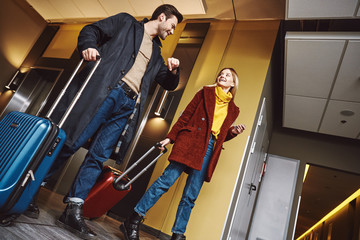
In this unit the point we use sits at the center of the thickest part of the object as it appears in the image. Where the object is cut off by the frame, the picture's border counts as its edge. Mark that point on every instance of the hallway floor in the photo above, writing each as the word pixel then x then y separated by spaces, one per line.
pixel 44 228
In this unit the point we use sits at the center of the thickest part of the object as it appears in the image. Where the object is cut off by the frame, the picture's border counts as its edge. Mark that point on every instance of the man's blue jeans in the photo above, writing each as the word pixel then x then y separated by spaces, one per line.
pixel 191 191
pixel 109 121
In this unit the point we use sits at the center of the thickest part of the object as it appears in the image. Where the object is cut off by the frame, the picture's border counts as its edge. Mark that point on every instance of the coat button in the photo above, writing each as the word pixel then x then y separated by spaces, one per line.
pixel 109 88
pixel 199 129
pixel 133 55
pixel 203 119
pixel 122 72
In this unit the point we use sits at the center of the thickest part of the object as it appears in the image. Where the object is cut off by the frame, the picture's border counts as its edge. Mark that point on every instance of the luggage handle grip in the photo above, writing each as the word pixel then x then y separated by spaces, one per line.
pixel 121 186
pixel 77 96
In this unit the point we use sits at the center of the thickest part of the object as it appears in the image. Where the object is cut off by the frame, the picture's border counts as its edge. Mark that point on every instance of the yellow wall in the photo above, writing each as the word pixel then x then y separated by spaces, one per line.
pixel 247 47
pixel 64 42
pixel 169 44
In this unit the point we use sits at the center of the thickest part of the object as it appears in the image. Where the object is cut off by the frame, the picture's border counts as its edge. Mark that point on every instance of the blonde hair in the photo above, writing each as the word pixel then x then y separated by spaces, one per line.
pixel 235 78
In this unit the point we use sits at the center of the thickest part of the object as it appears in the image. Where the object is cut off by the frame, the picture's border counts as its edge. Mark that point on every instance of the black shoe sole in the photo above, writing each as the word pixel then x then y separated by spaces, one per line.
pixel 33 215
pixel 6 221
pixel 74 231
pixel 123 230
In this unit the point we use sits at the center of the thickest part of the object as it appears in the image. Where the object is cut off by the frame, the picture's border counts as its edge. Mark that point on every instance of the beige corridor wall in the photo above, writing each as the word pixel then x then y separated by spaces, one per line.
pixel 247 47
pixel 20 27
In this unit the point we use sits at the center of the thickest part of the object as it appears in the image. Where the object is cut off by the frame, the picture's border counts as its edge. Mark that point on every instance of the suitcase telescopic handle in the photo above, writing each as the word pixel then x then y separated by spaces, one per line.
pixel 118 185
pixel 78 94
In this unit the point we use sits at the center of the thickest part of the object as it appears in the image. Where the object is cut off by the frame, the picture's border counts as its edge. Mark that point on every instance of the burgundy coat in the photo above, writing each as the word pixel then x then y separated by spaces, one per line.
pixel 191 133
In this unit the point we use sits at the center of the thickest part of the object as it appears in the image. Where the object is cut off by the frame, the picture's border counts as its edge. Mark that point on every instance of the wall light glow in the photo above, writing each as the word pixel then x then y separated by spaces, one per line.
pixel 333 212
pixel 306 171
pixel 5 98
pixel 156 128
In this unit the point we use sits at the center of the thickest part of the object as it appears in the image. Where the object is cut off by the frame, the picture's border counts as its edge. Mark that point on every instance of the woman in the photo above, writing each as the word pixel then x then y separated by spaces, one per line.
pixel 198 136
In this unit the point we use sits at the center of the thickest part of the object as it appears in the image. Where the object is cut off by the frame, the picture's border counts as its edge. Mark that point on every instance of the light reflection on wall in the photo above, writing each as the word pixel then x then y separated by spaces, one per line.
pixel 306 171
pixel 156 128
pixel 13 56
pixel 333 212
pixel 5 98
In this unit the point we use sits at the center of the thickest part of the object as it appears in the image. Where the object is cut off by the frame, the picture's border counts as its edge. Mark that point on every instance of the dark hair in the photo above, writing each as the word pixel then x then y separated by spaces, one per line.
pixel 168 10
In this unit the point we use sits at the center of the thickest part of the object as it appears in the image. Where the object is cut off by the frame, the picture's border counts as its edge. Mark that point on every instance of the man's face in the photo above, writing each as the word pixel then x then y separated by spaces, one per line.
pixel 166 26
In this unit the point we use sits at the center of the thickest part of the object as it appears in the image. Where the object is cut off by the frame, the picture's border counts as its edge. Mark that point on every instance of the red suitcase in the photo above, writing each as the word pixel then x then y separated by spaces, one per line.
pixel 103 195
pixel 112 186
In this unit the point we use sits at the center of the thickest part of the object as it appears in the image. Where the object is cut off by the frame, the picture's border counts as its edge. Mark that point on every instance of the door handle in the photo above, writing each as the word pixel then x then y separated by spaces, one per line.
pixel 252 188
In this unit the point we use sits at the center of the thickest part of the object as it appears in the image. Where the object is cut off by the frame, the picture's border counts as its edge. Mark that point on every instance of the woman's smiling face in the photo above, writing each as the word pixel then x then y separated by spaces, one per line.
pixel 225 80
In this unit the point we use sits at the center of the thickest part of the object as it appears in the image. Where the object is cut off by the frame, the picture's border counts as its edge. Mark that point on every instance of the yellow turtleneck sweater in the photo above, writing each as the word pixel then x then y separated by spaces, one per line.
pixel 221 108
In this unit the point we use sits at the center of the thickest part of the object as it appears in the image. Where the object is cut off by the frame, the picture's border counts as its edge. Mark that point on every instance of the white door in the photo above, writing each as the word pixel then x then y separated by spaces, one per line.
pixel 275 199
pixel 243 202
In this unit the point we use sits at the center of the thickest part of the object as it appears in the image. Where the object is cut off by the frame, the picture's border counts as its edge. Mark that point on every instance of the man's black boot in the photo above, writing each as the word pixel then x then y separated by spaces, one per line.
pixel 33 210
pixel 72 219
pixel 130 228
pixel 176 236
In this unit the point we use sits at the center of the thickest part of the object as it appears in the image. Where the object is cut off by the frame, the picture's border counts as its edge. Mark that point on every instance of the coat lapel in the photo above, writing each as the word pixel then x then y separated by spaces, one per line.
pixel 209 100
pixel 233 112
pixel 139 34
pixel 155 54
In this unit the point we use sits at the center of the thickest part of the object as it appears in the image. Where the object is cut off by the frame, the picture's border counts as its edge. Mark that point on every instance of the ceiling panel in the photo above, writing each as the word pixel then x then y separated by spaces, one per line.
pixel 335 123
pixel 67 8
pixel 326 66
pixel 71 11
pixel 197 7
pixel 145 8
pixel 45 9
pixel 347 85
pixel 302 9
pixel 311 66
pixel 191 9
pixel 303 113
pixel 90 8
pixel 113 7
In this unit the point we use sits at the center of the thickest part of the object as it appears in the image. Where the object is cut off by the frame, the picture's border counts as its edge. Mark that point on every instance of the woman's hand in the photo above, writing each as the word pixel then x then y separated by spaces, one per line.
pixel 238 129
pixel 163 143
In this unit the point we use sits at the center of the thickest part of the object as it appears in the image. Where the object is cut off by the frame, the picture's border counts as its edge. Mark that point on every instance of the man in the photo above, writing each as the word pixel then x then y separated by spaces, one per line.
pixel 131 60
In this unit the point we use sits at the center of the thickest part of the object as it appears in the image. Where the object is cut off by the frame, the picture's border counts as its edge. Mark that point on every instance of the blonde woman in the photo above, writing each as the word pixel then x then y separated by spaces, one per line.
pixel 198 136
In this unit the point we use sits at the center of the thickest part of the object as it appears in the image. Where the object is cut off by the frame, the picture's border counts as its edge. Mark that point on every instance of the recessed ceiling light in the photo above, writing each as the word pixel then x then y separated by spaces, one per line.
pixel 347 113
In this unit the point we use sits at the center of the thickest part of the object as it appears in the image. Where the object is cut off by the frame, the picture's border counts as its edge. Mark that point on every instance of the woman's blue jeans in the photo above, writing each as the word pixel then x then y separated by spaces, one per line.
pixel 191 191
pixel 108 124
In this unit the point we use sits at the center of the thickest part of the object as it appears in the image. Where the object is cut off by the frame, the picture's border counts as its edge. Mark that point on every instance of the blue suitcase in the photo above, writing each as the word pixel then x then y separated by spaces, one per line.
pixel 28 147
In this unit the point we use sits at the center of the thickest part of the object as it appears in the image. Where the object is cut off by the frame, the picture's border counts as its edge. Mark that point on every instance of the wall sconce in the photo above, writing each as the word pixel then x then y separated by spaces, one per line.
pixel 164 104
pixel 15 81
pixel 159 108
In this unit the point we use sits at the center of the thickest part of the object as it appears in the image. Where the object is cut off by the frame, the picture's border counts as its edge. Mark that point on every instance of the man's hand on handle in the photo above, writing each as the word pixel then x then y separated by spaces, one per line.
pixel 90 54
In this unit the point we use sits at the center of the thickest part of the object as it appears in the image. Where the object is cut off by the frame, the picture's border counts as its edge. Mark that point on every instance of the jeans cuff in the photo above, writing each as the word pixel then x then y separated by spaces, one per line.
pixel 75 200
pixel 138 212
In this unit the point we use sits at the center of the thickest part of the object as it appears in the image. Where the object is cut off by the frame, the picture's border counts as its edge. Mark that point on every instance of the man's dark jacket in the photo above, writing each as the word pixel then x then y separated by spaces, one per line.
pixel 118 39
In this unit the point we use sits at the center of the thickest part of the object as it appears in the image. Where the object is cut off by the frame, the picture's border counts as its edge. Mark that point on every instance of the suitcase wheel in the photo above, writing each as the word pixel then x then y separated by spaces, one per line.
pixel 8 220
